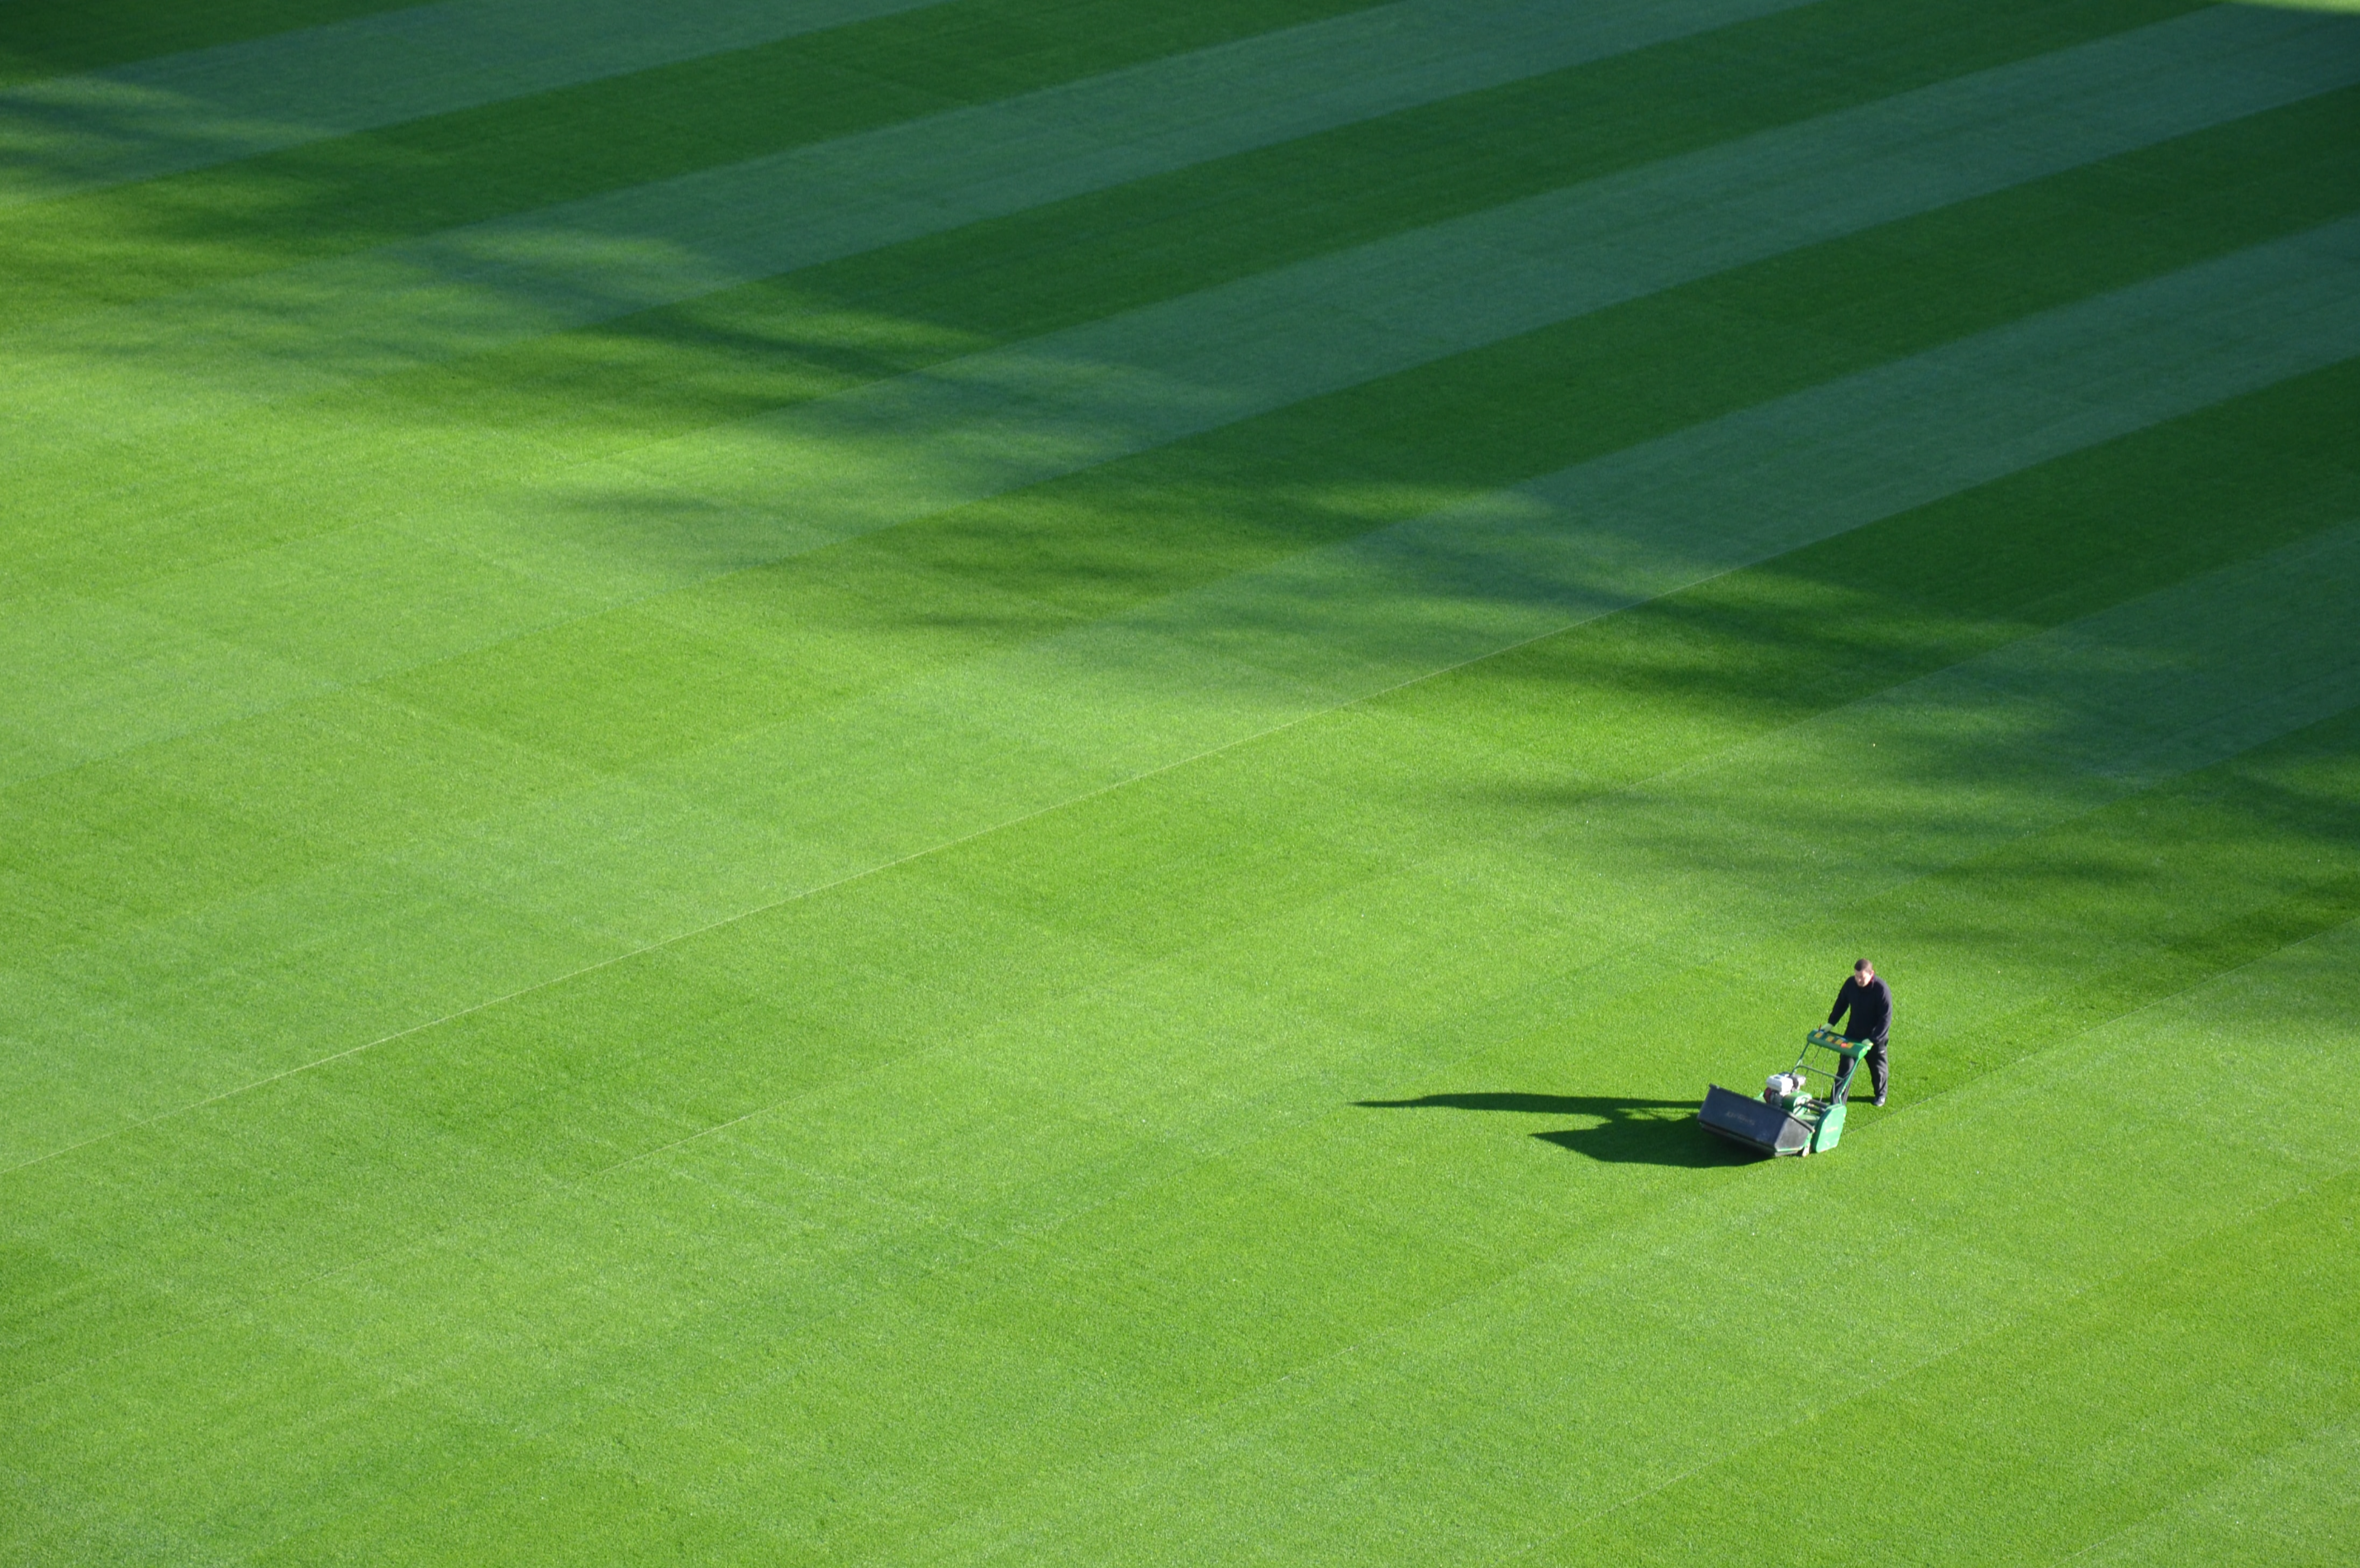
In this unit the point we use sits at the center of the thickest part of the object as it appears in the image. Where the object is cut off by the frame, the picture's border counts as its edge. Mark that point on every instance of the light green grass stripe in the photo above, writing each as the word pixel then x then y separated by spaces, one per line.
pixel 884 454
pixel 211 106
pixel 119 372
pixel 2298 1507
pixel 2020 1221
pixel 703 838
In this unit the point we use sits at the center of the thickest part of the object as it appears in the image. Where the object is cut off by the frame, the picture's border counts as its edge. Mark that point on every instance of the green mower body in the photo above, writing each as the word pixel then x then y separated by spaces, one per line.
pixel 1787 1118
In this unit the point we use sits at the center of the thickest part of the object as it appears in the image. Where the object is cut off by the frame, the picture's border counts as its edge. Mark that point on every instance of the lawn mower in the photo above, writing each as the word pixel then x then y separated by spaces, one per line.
pixel 1789 1119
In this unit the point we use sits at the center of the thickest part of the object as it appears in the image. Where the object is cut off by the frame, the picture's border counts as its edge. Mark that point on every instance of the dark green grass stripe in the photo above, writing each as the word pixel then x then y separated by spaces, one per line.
pixel 2321 898
pixel 737 353
pixel 1640 1377
pixel 39 39
pixel 363 317
pixel 1078 260
pixel 1098 544
pixel 1376 454
pixel 1695 672
pixel 336 197
pixel 201 110
pixel 584 393
pixel 180 360
pixel 1033 274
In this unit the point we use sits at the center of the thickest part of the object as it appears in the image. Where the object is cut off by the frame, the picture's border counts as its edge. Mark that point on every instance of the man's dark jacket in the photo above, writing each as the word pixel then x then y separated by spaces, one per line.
pixel 1871 1007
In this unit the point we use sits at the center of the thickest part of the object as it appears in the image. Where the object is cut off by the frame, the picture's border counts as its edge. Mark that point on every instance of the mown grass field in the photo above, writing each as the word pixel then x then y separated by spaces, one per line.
pixel 864 782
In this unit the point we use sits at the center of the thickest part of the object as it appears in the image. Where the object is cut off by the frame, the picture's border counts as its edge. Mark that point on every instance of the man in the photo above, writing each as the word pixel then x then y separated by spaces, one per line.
pixel 1870 1002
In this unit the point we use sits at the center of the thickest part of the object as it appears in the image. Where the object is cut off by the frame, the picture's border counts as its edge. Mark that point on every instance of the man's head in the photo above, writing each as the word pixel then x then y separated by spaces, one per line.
pixel 1863 972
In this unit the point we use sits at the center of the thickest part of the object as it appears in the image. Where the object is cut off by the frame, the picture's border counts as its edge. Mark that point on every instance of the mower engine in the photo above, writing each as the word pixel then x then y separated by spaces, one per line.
pixel 1788 1120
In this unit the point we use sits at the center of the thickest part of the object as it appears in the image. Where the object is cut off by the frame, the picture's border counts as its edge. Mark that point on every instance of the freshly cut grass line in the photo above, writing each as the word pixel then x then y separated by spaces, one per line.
pixel 884 454
pixel 100 34
pixel 66 133
pixel 592 968
pixel 2304 1497
pixel 311 327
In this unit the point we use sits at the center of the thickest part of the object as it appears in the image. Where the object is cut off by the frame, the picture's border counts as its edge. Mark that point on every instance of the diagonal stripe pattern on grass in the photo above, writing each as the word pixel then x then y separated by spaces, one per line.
pixel 1217 921
pixel 874 458
pixel 1208 669
pixel 2059 672
pixel 467 291
pixel 183 112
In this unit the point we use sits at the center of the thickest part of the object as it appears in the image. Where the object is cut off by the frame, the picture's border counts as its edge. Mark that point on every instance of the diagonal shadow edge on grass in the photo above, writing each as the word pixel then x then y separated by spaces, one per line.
pixel 2266 1491
pixel 2323 1180
pixel 2027 686
pixel 1636 524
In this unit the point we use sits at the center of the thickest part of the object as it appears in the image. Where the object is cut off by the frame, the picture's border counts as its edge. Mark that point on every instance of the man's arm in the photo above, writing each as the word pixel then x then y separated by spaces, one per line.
pixel 1843 1000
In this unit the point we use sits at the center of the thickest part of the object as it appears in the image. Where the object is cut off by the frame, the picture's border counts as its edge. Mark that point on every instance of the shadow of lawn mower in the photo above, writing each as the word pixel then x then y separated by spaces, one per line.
pixel 1789 1119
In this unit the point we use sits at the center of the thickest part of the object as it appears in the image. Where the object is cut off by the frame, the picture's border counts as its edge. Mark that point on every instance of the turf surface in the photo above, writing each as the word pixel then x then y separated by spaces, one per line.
pixel 882 782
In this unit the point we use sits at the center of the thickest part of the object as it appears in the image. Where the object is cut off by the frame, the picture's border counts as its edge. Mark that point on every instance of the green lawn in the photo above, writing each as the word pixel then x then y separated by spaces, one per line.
pixel 860 781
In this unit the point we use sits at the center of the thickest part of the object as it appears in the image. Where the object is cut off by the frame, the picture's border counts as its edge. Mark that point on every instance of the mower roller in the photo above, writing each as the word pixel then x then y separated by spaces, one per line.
pixel 1789 1119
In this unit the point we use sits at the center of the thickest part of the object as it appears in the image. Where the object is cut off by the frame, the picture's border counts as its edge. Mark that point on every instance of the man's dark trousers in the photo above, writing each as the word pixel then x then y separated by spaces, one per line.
pixel 1876 1069
pixel 1871 1007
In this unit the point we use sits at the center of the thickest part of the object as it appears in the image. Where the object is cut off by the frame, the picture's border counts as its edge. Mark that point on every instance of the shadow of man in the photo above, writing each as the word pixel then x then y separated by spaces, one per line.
pixel 1622 1130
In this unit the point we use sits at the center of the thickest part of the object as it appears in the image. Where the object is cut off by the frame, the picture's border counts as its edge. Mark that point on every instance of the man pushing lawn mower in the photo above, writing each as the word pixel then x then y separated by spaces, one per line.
pixel 1870 1002
pixel 1796 1113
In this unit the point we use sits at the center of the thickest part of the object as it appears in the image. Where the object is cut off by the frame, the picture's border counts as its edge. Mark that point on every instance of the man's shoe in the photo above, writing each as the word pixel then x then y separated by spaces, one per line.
pixel 1878 1101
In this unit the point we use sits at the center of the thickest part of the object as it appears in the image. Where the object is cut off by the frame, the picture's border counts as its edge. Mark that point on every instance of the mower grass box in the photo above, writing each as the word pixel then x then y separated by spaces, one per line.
pixel 1787 1118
